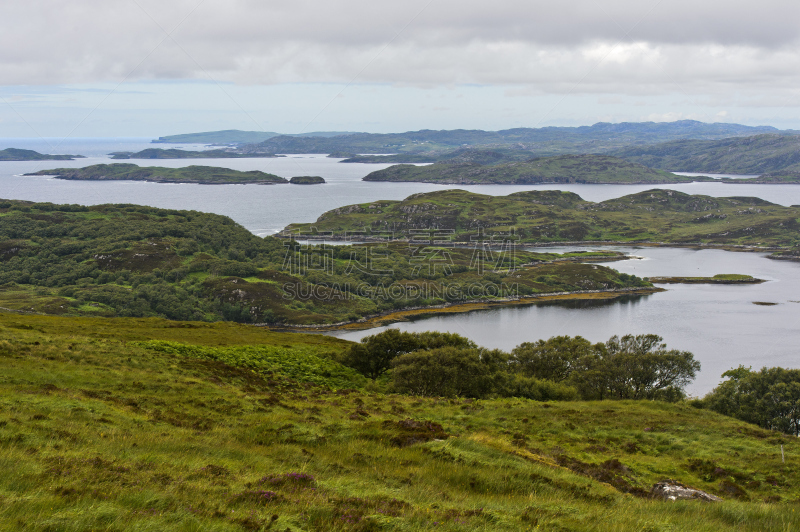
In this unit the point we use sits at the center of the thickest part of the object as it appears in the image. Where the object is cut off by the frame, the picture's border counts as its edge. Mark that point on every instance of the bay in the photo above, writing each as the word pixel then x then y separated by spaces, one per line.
pixel 720 324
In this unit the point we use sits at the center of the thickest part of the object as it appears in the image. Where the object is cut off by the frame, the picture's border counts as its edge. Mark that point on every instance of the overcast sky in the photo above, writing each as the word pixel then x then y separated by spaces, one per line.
pixel 143 68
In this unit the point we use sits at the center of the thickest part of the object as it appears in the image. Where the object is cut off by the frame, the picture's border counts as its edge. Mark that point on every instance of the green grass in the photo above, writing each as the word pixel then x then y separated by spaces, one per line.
pixel 97 432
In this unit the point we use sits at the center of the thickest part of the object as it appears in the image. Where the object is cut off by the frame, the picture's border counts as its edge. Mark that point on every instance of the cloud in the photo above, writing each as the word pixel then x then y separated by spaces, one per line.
pixel 575 46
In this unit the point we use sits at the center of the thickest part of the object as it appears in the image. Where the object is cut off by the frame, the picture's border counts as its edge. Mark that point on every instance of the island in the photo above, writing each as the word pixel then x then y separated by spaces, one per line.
pixel 561 169
pixel 204 175
pixel 722 278
pixel 15 154
pixel 655 216
pixel 158 153
pixel 307 180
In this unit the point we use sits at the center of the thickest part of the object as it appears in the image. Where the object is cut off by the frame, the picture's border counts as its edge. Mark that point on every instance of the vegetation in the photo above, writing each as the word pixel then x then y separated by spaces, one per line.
pixel 555 216
pixel 759 154
pixel 228 136
pixel 769 398
pixel 100 428
pixel 436 364
pixel 15 154
pixel 235 136
pixel 722 278
pixel 158 153
pixel 306 180
pixel 597 169
pixel 486 156
pixel 127 260
pixel 599 138
pixel 206 175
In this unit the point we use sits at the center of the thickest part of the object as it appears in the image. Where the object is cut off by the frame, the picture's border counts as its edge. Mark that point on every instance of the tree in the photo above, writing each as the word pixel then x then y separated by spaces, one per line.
pixel 769 398
pixel 374 355
pixel 635 367
pixel 450 372
pixel 553 359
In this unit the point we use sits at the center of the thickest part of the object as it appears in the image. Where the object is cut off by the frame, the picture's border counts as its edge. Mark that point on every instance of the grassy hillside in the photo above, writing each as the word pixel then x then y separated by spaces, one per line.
pixel 555 216
pixel 744 155
pixel 14 154
pixel 207 175
pixel 158 153
pixel 128 260
pixel 102 429
pixel 598 169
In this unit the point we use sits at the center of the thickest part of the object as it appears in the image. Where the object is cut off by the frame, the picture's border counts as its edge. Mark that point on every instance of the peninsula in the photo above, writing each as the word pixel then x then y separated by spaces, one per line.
pixel 130 260
pixel 204 175
pixel 15 154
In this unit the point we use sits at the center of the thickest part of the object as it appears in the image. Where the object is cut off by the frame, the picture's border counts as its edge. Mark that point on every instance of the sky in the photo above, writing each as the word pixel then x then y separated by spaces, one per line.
pixel 148 68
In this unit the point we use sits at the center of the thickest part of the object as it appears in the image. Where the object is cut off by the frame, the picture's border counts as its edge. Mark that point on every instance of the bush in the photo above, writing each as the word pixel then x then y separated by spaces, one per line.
pixel 450 372
pixel 373 356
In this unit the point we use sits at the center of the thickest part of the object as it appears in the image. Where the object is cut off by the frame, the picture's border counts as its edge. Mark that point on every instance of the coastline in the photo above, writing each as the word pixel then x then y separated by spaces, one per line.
pixel 409 314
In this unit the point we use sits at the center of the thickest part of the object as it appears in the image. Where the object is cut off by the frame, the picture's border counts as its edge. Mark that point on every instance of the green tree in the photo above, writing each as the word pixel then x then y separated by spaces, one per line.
pixel 450 372
pixel 635 367
pixel 553 359
pixel 769 398
pixel 373 356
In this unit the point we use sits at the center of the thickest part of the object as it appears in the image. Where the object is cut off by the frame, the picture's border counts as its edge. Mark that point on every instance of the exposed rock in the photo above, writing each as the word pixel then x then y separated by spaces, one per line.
pixel 671 490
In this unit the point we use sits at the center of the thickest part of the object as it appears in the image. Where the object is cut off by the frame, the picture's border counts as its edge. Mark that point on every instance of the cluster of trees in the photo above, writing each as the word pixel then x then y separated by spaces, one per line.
pixel 769 398
pixel 560 368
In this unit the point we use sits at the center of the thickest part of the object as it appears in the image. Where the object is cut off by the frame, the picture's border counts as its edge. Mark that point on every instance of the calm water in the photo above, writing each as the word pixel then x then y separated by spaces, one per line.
pixel 719 324
pixel 266 209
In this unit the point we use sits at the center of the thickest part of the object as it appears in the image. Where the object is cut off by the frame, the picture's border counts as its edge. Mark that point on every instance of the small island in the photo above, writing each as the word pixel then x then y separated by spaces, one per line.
pixel 722 278
pixel 159 153
pixel 307 180
pixel 203 175
pixel 562 169
pixel 15 154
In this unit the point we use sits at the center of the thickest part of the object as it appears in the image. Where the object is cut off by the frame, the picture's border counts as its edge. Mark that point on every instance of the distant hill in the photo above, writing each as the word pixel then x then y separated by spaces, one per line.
pixel 538 216
pixel 14 154
pixel 598 138
pixel 158 153
pixel 488 156
pixel 598 169
pixel 235 136
pixel 207 175
pixel 757 154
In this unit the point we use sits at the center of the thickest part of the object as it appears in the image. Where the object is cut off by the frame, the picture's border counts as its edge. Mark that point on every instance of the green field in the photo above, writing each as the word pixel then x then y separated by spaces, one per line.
pixel 126 424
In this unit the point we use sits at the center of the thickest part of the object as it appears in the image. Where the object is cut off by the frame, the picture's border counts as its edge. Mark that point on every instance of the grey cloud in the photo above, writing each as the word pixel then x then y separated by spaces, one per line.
pixel 553 45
